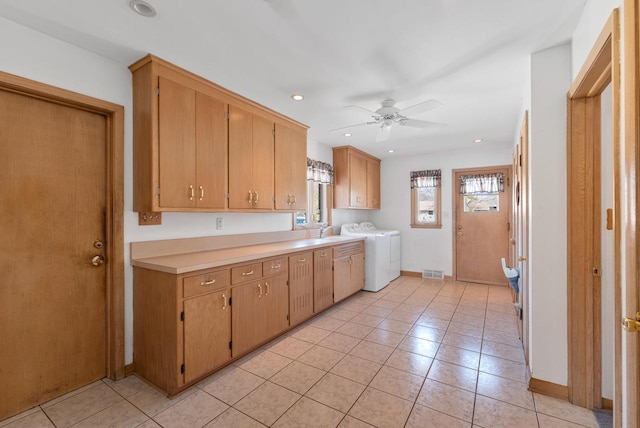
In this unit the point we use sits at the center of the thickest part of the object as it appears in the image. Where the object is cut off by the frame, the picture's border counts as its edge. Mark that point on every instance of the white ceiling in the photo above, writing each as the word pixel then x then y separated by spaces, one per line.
pixel 470 55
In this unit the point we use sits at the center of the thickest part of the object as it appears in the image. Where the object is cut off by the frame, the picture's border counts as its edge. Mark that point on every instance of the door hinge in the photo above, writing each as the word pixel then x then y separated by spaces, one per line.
pixel 520 313
pixel 508 181
pixel 273 132
pixel 596 272
pixel 230 344
pixel 227 195
pixel 508 226
pixel 157 91
pixel 182 316
pixel 182 369
pixel 230 301
pixel 287 317
pixel 226 115
pixel 158 191
pixel 273 199
pixel 287 282
pixel 631 325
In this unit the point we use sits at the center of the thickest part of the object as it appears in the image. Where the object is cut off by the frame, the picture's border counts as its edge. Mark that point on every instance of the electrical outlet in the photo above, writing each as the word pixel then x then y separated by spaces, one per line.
pixel 149 219
pixel 219 223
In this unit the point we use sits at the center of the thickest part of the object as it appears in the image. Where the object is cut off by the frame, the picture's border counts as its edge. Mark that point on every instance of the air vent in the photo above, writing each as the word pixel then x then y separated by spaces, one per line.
pixel 435 274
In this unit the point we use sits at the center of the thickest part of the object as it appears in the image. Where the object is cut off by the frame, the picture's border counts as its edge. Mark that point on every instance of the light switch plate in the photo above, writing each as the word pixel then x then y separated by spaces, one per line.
pixel 149 219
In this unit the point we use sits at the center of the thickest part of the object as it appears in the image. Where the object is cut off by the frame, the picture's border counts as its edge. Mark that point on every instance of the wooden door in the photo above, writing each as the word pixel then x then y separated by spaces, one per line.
pixel 482 233
pixel 207 332
pixel 358 181
pixel 211 152
pixel 248 326
pixel 357 272
pixel 276 306
pixel 52 206
pixel 522 230
pixel 177 151
pixel 263 159
pixel 300 287
pixel 322 280
pixel 240 158
pixel 373 184
pixel 290 169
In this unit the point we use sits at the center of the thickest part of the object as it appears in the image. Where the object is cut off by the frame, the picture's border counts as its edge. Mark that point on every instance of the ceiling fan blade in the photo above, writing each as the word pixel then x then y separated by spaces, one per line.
pixel 350 126
pixel 420 108
pixel 415 123
pixel 383 134
pixel 361 110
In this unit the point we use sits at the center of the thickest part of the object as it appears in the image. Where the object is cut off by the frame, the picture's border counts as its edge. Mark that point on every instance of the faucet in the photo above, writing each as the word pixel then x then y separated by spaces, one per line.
pixel 323 230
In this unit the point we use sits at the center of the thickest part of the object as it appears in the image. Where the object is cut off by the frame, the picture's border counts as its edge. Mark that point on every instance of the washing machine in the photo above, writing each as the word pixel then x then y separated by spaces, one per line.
pixel 394 251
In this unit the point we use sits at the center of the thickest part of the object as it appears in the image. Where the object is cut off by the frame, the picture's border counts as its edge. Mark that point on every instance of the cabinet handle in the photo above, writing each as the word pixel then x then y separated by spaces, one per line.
pixel 260 288
pixel 201 193
pixel 250 197
pixel 302 260
pixel 255 201
pixel 350 260
pixel 275 266
pixel 288 199
pixel 224 301
pixel 294 200
pixel 247 273
pixel 191 192
pixel 323 254
pixel 208 282
pixel 268 288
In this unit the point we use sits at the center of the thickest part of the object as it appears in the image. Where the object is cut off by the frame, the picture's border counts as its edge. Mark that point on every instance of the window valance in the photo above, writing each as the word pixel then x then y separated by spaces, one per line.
pixel 425 178
pixel 480 184
pixel 319 172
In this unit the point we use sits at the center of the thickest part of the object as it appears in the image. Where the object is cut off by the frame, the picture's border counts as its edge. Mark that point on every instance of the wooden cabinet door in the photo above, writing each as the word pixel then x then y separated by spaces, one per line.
pixel 248 316
pixel 358 177
pixel 211 152
pixel 207 332
pixel 373 184
pixel 263 158
pixel 322 280
pixel 275 306
pixel 177 145
pixel 357 272
pixel 290 169
pixel 300 287
pixel 240 158
pixel 341 278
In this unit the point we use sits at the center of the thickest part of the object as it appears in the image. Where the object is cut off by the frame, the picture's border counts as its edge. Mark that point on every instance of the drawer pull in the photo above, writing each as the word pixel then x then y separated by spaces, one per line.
pixel 323 254
pixel 260 288
pixel 275 266
pixel 201 193
pixel 208 282
pixel 247 273
pixel 191 193
pixel 224 301
pixel 302 260
pixel 268 288
pixel 250 197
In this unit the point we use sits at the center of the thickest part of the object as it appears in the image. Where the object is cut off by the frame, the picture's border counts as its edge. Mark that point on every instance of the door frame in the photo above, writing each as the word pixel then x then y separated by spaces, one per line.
pixel 521 228
pixel 601 68
pixel 455 190
pixel 114 249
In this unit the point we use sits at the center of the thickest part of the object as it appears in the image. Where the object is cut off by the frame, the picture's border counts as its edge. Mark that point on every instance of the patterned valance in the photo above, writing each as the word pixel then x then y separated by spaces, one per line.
pixel 425 178
pixel 319 172
pixel 479 184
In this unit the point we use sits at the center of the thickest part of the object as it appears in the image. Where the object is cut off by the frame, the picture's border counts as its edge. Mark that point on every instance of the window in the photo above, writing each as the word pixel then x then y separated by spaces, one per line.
pixel 481 192
pixel 319 195
pixel 425 199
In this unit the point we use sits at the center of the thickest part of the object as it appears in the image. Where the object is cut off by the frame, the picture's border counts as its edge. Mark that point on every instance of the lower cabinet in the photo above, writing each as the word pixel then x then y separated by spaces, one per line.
pixel 348 270
pixel 322 280
pixel 301 287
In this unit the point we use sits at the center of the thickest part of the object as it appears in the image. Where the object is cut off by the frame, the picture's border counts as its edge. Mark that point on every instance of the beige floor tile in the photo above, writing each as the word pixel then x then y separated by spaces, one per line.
pixel 298 377
pixel 474 330
pixel 440 306
pixel 377 311
pixel 440 298
pixel 353 306
pixel 395 326
pixel 309 413
pixel 410 309
pixel 478 313
pixel 30 419
pixel 122 414
pixel 341 314
pixel 472 302
pixel 491 413
pixel 500 350
pixel 462 341
pixel 266 364
pixel 564 410
pixel 546 421
pixel 267 403
pixel 196 410
pixel 459 356
pixel 71 394
pixel 321 357
pixel 447 399
pixel 508 338
pixel 382 303
pixel 465 318
pixel 83 405
pixel 433 322
pixel 353 329
pixel 340 342
pixel 507 308
pixel 506 318
pixel 336 392
pixel 149 424
pixel 368 320
pixel 151 401
pixel 233 418
pixel 508 327
pixel 505 390
pixel 291 347
pixel 427 333
pixel 503 368
pixel 311 334
pixel 394 298
pixel 454 375
pixel 372 351
pixel 419 346
pixel 351 422
pixel 384 337
pixel 127 386
pixel 422 417
pixel 381 409
pixel 328 323
pixel 397 382
pixel 403 316
pixel 409 362
pixel 233 386
pixel 357 369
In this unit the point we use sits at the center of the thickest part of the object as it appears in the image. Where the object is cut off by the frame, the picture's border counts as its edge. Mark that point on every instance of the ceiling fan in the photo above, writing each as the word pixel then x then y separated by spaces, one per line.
pixel 389 114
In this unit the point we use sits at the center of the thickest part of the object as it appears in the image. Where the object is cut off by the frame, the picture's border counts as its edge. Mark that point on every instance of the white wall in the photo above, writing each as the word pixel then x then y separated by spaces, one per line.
pixel 427 248
pixel 550 80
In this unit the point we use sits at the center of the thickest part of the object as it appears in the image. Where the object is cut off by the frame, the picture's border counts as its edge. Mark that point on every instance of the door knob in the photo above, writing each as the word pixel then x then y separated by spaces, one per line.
pixel 97 260
pixel 522 259
pixel 459 227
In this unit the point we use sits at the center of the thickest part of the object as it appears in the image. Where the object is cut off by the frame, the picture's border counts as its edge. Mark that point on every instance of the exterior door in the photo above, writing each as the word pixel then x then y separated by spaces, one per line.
pixel 482 230
pixel 522 230
pixel 52 206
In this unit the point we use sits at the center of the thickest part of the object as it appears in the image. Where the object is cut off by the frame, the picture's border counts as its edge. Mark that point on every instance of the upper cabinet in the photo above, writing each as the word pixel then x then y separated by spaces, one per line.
pixel 357 179
pixel 200 147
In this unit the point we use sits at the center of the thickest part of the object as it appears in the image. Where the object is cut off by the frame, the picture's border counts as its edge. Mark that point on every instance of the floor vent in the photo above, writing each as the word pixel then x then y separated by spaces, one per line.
pixel 436 274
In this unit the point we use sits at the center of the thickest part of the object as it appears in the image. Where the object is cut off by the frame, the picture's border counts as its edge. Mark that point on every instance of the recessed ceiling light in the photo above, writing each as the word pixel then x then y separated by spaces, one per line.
pixel 297 97
pixel 390 150
pixel 478 140
pixel 143 8
pixel 348 134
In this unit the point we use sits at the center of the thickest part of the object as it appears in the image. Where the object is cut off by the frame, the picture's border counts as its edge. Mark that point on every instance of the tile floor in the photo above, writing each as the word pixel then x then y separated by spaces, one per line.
pixel 420 353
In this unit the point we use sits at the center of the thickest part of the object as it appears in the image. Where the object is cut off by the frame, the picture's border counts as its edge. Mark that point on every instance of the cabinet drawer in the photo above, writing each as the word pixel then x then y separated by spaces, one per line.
pixel 274 267
pixel 204 283
pixel 346 250
pixel 246 273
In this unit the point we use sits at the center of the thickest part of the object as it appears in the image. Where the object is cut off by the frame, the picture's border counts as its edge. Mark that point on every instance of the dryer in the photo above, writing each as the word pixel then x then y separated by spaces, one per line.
pixel 394 252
